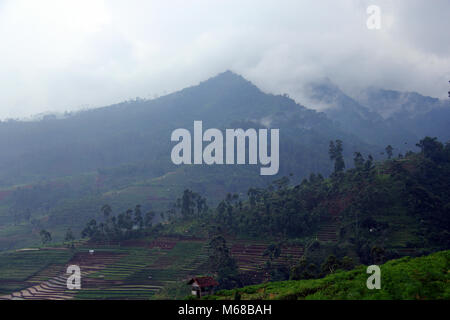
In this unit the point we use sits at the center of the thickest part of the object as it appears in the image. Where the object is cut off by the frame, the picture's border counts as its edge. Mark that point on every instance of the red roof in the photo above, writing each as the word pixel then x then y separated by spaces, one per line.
pixel 204 281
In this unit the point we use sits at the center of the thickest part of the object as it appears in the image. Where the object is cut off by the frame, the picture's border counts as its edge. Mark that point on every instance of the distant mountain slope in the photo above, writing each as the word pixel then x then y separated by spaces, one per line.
pixel 139 131
pixel 419 114
pixel 388 103
pixel 384 117
pixel 58 172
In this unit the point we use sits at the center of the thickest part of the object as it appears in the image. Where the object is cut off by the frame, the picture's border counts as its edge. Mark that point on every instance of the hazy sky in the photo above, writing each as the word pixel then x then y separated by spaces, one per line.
pixel 62 55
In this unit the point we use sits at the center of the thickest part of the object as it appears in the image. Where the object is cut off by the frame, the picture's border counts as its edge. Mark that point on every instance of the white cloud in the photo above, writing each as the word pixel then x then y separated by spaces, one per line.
pixel 57 55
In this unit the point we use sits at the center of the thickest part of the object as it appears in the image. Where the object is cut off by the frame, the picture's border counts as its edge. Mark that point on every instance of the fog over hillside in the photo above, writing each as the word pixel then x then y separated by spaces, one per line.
pixel 64 56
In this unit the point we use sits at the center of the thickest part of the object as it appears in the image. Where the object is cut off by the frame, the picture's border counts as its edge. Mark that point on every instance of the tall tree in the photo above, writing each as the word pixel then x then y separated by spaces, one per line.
pixel 389 150
pixel 69 237
pixel 106 210
pixel 335 153
pixel 431 148
pixel 358 160
pixel 187 204
pixel 138 219
pixel 148 219
pixel 221 262
pixel 45 236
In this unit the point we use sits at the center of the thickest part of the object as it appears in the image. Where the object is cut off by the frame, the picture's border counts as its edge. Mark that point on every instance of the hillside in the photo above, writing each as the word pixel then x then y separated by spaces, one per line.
pixel 397 204
pixel 60 171
pixel 371 214
pixel 138 132
pixel 379 115
pixel 423 278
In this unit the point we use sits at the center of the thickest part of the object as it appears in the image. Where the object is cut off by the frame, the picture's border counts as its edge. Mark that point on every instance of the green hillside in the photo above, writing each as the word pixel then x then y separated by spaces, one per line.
pixel 401 279
pixel 370 214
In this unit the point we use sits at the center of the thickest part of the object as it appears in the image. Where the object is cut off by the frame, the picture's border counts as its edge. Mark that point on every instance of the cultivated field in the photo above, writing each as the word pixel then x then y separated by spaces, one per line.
pixel 134 270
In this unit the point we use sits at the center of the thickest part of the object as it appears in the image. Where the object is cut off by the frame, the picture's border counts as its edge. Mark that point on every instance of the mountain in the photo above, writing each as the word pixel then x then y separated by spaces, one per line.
pixel 383 117
pixel 139 131
pixel 355 118
pixel 389 103
pixel 421 115
pixel 58 172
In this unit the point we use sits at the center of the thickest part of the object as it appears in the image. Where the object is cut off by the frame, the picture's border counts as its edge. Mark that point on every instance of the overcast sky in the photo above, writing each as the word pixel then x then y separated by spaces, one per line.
pixel 63 55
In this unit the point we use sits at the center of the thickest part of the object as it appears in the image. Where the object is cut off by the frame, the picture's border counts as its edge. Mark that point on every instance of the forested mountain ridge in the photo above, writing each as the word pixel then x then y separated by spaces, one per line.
pixel 379 115
pixel 56 173
pixel 138 132
pixel 396 204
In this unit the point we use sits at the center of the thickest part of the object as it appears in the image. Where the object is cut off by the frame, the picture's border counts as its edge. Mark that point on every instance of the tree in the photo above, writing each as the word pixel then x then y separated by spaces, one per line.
pixel 187 204
pixel 148 219
pixel 106 209
pixel 273 251
pixel 358 160
pixel 254 195
pixel 347 263
pixel 129 219
pixel 330 265
pixel 91 230
pixel 45 236
pixel 389 150
pixel 303 270
pixel 221 262
pixel 378 255
pixel 125 220
pixel 369 162
pixel 335 152
pixel 431 148
pixel 138 220
pixel 69 237
pixel 200 202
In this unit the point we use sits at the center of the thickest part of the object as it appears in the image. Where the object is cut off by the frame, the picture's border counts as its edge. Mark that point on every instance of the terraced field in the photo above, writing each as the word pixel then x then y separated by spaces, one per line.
pixel 26 268
pixel 328 232
pixel 250 257
pixel 135 270
pixel 143 271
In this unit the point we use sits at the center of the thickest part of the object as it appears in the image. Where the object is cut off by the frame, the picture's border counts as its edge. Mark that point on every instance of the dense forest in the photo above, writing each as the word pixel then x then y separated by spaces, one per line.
pixel 379 210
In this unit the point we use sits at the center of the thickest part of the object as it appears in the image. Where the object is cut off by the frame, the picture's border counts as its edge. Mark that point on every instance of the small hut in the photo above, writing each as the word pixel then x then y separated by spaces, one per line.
pixel 202 286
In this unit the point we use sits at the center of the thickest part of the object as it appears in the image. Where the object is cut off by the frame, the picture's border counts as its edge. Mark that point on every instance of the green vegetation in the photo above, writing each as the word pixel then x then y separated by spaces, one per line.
pixel 369 214
pixel 19 269
pixel 306 232
pixel 402 279
pixel 120 155
pixel 141 272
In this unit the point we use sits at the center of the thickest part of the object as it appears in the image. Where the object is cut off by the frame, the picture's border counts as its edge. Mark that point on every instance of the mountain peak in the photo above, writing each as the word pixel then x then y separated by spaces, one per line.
pixel 228 76
pixel 225 81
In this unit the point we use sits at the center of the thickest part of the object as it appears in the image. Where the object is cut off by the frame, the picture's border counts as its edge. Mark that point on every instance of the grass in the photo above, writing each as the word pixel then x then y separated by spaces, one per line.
pixel 143 272
pixel 17 267
pixel 134 261
pixel 402 279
